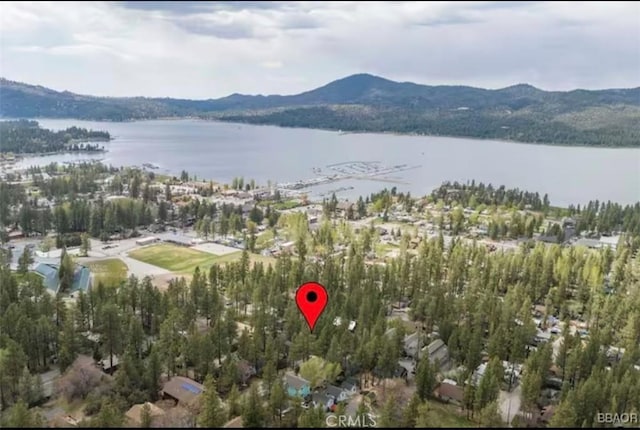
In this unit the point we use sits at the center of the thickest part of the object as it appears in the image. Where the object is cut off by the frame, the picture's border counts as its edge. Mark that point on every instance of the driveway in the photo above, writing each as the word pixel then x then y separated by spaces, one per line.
pixel 509 403
pixel 352 406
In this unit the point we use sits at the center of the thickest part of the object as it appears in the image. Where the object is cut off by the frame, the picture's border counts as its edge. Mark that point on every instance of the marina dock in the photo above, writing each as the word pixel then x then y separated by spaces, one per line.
pixel 361 170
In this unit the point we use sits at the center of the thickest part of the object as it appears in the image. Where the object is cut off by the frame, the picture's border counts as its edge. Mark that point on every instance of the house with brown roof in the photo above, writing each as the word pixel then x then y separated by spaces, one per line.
pixel 183 391
pixel 134 414
pixel 448 391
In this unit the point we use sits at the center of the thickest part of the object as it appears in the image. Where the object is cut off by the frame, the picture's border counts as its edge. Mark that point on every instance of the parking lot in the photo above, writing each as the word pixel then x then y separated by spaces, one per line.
pixel 215 248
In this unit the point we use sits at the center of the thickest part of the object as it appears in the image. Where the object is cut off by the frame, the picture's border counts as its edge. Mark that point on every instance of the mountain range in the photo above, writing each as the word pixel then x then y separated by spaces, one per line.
pixel 367 103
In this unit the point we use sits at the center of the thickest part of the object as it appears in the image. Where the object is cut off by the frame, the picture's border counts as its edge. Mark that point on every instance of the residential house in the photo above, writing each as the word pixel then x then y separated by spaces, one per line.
pixel 343 207
pixel 288 246
pixel 338 394
pixel 478 374
pixel 246 371
pixel 15 234
pixel 350 386
pixel 400 372
pixel 610 241
pixel 322 400
pixel 182 390
pixel 438 354
pixel 450 392
pixel 134 414
pixel 589 243
pixel 296 386
pixel 109 364
pixel 411 345
pixel 51 279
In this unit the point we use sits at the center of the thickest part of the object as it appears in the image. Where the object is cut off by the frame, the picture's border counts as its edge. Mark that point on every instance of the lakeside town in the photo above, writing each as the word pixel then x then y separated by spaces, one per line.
pixel 120 227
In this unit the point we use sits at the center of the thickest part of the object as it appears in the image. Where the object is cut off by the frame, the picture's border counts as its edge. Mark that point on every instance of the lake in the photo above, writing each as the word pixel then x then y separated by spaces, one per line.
pixel 222 151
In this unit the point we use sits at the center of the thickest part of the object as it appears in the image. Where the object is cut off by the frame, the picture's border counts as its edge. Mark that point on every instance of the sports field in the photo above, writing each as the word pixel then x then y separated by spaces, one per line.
pixel 178 259
pixel 183 260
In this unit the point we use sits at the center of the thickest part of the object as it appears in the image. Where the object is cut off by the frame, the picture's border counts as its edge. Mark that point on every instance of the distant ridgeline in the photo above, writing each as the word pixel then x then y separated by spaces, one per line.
pixel 22 137
pixel 366 103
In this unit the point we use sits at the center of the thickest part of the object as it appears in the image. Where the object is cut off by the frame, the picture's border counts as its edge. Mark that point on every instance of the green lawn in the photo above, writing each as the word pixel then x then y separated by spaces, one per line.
pixel 183 260
pixel 265 239
pixel 383 248
pixel 178 259
pixel 289 204
pixel 110 272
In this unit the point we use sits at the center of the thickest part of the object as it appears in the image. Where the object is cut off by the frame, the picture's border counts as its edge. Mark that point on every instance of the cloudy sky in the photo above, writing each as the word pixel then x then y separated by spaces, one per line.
pixel 212 49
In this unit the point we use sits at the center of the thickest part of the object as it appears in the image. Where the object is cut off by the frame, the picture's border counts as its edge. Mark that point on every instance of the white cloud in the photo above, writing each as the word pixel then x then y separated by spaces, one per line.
pixel 211 49
pixel 272 64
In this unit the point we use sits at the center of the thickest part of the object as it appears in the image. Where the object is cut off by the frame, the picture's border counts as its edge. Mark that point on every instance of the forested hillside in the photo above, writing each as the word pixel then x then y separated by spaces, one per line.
pixel 24 136
pixel 366 103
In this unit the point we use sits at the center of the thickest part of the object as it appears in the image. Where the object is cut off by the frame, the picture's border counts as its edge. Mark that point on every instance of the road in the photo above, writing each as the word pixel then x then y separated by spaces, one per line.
pixel 509 403
pixel 49 380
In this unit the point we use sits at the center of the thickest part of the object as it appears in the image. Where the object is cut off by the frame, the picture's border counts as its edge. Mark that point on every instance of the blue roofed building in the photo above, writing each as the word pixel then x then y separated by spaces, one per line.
pixel 51 279
pixel 296 386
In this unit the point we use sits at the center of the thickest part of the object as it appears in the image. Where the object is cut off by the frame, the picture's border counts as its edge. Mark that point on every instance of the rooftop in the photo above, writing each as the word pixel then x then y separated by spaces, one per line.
pixel 51 280
pixel 295 382
pixel 134 414
pixel 182 389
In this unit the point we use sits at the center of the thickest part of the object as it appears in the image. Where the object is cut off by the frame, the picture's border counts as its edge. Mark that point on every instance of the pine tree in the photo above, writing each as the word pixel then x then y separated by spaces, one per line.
pixel 312 418
pixel 253 415
pixel 425 379
pixel 490 417
pixel 145 416
pixel 213 413
pixel 19 416
pixel 410 412
pixel 277 401
pixel 25 260
pixel 233 402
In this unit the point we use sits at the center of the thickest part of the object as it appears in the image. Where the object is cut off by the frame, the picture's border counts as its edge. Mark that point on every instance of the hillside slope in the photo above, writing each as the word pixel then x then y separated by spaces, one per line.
pixel 365 102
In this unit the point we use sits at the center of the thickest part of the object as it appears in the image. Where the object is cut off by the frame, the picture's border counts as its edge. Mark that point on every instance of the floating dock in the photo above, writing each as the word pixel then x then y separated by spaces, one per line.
pixel 361 170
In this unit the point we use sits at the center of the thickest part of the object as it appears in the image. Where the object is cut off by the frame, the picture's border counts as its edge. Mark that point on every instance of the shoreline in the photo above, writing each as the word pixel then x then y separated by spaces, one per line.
pixel 399 134
pixel 346 132
pixel 17 158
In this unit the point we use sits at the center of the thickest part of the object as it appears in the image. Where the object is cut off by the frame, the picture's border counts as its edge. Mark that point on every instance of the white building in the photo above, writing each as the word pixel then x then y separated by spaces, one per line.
pixel 610 241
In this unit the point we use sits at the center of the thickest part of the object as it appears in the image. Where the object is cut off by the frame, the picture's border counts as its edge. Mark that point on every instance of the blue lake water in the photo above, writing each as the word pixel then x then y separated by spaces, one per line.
pixel 222 151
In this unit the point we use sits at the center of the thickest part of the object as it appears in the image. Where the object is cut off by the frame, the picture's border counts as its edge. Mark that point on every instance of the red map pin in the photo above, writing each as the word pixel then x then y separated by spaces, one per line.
pixel 311 299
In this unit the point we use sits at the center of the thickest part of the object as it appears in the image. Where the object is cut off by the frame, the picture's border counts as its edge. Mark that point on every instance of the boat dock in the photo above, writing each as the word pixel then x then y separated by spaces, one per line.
pixel 361 170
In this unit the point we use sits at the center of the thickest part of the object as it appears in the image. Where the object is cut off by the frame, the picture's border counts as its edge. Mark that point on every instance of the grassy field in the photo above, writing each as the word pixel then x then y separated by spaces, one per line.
pixel 184 260
pixel 175 258
pixel 383 248
pixel 443 415
pixel 264 239
pixel 109 272
pixel 289 204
